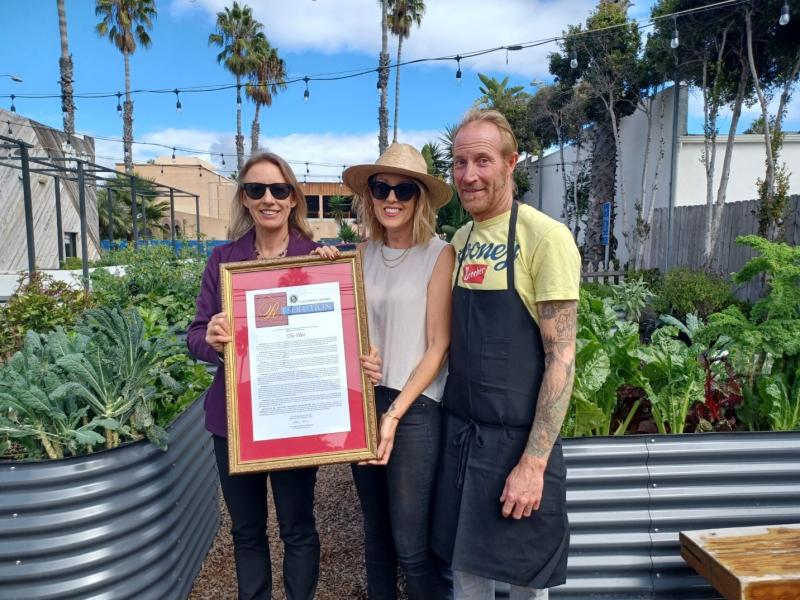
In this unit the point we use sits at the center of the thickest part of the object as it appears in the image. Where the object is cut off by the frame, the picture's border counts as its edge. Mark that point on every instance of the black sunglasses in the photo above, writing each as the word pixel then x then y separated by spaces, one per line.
pixel 402 191
pixel 256 191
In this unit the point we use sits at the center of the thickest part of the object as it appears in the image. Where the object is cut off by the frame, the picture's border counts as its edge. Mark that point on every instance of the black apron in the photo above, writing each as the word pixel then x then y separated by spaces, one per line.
pixel 496 368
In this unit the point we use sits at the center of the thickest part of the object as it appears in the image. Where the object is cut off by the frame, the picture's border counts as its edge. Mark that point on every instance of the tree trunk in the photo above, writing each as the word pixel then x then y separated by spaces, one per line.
pixel 767 193
pixel 397 87
pixel 66 69
pixel 719 205
pixel 127 119
pixel 565 198
pixel 255 131
pixel 626 231
pixel 649 204
pixel 603 184
pixel 383 82
pixel 239 136
pixel 577 170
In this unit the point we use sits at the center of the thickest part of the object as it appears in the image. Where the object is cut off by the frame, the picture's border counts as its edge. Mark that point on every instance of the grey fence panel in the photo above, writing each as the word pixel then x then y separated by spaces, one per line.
pixel 628 498
pixel 134 522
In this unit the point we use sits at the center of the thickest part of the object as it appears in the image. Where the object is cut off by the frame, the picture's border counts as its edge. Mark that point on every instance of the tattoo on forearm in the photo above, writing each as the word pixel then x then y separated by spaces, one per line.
pixel 392 410
pixel 557 322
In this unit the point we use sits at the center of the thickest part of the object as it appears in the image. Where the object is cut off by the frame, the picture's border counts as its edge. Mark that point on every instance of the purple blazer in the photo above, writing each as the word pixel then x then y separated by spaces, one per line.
pixel 209 303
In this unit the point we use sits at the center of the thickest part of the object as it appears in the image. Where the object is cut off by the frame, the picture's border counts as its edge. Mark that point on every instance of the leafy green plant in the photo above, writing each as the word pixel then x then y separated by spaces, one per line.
pixel 72 263
pixel 347 233
pixel 153 276
pixel 673 378
pixel 606 361
pixel 41 304
pixel 631 297
pixel 686 291
pixel 38 406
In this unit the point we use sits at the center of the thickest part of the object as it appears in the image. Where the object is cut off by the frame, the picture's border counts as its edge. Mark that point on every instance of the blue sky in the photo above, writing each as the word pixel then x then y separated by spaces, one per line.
pixel 339 123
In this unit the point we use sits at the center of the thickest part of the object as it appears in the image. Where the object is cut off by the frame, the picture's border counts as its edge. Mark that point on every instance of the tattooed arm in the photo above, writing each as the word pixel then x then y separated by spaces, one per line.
pixel 523 490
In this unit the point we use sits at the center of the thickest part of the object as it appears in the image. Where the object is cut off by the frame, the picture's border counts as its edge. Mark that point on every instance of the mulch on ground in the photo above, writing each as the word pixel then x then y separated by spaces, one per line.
pixel 340 526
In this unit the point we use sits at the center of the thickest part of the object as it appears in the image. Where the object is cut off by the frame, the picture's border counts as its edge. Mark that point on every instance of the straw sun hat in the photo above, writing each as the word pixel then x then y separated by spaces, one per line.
pixel 401 159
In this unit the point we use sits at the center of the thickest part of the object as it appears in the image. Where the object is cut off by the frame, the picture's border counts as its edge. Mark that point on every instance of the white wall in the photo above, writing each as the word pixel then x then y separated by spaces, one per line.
pixel 633 135
pixel 747 165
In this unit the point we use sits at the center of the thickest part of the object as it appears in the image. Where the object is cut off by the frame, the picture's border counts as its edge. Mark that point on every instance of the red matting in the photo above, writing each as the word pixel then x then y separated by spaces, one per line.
pixel 356 438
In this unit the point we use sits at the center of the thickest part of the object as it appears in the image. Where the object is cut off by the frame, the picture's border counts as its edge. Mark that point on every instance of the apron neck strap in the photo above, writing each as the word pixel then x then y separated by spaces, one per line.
pixel 510 252
pixel 463 253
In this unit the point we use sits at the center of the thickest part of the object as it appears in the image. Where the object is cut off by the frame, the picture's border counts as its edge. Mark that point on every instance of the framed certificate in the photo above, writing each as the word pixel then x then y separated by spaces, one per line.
pixel 296 393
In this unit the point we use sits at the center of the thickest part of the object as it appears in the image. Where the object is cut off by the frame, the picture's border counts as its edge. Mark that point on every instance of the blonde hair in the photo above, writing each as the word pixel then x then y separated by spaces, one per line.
pixel 242 222
pixel 424 224
pixel 496 118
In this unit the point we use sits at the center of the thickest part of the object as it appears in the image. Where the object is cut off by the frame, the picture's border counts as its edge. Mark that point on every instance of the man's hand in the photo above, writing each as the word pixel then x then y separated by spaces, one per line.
pixel 522 493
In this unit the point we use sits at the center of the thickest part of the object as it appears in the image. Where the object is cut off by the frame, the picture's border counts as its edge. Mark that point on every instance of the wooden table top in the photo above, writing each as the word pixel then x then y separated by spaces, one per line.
pixel 747 563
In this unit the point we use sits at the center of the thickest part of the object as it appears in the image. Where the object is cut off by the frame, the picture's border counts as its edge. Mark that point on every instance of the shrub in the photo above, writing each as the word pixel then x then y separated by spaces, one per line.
pixel 41 304
pixel 72 263
pixel 685 291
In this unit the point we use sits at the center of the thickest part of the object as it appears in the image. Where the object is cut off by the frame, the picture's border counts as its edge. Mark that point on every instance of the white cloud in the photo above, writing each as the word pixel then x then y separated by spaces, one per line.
pixel 448 27
pixel 331 149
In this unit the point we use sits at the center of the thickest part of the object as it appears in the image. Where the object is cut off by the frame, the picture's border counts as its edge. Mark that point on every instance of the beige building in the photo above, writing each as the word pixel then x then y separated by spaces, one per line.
pixel 199 178
pixel 215 193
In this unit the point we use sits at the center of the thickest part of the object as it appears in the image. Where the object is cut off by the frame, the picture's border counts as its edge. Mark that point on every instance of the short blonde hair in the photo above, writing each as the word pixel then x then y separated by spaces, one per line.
pixel 242 222
pixel 496 118
pixel 424 227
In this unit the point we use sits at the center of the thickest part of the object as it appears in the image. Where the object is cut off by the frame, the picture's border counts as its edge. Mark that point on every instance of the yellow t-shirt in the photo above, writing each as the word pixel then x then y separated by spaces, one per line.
pixel 547 265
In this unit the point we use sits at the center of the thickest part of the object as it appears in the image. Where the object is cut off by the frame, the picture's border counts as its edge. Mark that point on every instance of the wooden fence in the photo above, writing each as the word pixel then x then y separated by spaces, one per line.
pixel 688 235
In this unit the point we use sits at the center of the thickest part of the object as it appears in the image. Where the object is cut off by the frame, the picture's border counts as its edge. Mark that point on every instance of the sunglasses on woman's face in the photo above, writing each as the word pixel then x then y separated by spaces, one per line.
pixel 402 191
pixel 256 191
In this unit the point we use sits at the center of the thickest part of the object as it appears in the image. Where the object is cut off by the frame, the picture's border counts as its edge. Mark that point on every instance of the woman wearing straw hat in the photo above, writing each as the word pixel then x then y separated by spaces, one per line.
pixel 407 274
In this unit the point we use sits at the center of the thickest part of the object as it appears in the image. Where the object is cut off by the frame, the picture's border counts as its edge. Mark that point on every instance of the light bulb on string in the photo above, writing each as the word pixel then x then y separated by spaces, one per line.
pixel 238 96
pixel 675 41
pixel 784 18
pixel 458 72
pixel 306 168
pixel 177 92
pixel 119 105
pixel 514 48
pixel 306 94
pixel 173 153
pixel 13 108
pixel 9 128
pixel 200 170
pixel 573 63
pixel 222 156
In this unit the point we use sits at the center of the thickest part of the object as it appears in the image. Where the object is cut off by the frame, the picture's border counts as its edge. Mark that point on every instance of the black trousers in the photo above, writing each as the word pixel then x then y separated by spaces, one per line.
pixel 246 499
pixel 397 503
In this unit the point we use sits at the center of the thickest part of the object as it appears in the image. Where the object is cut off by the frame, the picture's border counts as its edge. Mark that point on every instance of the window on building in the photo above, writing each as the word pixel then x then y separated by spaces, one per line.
pixel 332 205
pixel 313 206
pixel 70 244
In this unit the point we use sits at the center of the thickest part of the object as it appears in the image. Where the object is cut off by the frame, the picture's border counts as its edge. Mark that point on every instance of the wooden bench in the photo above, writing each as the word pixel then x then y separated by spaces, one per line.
pixel 747 563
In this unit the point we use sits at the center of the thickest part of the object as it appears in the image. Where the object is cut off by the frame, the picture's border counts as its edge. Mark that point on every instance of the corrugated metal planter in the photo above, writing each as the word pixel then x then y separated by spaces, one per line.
pixel 133 522
pixel 628 497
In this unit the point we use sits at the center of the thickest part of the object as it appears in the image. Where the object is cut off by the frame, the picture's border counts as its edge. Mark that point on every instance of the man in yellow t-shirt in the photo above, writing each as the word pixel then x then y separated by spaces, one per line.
pixel 501 494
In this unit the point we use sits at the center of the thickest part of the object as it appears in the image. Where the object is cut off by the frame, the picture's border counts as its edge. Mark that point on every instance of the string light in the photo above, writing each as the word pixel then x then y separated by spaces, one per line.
pixel 307 168
pixel 9 128
pixel 177 99
pixel 200 170
pixel 306 94
pixel 13 108
pixel 784 18
pixel 674 42
pixel 514 48
pixel 238 96
pixel 458 72
pixel 574 61
pixel 222 156
pixel 119 106
pixel 173 153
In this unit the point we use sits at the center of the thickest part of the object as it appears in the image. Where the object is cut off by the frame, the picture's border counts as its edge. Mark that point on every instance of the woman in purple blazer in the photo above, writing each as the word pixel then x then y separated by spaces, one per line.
pixel 268 220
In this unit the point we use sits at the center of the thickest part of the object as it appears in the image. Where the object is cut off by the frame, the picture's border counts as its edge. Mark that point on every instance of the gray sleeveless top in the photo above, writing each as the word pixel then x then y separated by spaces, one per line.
pixel 396 286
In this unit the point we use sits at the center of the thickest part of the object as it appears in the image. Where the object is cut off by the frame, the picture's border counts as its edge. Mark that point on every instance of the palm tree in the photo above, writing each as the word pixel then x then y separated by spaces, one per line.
pixel 383 80
pixel 126 22
pixel 65 66
pixel 404 13
pixel 155 208
pixel 268 75
pixel 235 34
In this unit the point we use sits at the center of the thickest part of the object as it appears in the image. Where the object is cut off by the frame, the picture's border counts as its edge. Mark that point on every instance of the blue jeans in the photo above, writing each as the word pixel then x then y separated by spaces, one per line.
pixel 397 503
pixel 246 499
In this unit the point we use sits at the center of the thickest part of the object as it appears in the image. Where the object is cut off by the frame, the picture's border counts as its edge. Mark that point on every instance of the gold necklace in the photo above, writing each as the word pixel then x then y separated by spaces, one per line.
pixel 281 254
pixel 391 263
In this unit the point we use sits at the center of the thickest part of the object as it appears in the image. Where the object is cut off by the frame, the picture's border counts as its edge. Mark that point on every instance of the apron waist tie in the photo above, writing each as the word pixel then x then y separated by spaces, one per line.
pixel 462 439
